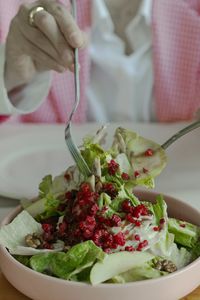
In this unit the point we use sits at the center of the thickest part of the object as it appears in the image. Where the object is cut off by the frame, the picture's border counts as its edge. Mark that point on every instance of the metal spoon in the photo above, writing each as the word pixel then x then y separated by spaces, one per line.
pixel 180 133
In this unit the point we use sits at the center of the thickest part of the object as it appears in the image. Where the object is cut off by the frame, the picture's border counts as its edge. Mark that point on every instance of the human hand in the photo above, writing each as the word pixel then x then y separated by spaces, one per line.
pixel 46 46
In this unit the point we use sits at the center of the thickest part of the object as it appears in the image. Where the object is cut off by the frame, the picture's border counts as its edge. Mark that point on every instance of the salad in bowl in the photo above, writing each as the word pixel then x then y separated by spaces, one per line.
pixel 96 229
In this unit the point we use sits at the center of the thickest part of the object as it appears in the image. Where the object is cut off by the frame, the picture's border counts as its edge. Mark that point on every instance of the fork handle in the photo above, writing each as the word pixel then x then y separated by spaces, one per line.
pixel 180 133
pixel 76 66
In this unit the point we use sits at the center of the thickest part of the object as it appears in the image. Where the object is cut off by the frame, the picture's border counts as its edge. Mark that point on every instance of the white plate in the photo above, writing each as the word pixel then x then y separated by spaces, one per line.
pixel 27 157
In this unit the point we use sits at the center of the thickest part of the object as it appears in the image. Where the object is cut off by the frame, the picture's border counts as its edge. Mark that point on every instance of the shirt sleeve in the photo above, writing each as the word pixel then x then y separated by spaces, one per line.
pixel 26 99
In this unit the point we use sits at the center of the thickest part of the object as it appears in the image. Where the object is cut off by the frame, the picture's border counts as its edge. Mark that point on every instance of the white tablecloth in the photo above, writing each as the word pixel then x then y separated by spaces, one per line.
pixel 181 178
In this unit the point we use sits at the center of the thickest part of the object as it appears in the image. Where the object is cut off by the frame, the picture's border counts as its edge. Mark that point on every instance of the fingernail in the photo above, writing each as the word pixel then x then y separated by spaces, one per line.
pixel 76 39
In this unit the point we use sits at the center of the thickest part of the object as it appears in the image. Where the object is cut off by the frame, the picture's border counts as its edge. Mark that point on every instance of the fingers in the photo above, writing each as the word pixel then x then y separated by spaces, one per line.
pixel 39 39
pixel 50 44
pixel 27 48
pixel 42 60
pixel 67 25
pixel 46 23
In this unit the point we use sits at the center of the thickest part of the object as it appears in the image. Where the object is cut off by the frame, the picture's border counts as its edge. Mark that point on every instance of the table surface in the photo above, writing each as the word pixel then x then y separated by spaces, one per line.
pixel 180 178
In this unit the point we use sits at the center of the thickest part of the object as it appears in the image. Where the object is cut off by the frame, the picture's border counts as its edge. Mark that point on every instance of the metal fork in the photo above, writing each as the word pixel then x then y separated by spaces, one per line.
pixel 81 163
pixel 180 133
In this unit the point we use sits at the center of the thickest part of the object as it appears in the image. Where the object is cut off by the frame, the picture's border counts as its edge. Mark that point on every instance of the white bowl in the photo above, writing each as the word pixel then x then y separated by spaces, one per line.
pixel 43 287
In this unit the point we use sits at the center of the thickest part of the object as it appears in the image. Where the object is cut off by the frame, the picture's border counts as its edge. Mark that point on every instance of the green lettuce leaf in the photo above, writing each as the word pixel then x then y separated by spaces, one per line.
pixel 186 234
pixel 91 151
pixel 160 210
pixel 45 186
pixel 195 251
pixel 23 259
pixel 67 265
pixel 134 159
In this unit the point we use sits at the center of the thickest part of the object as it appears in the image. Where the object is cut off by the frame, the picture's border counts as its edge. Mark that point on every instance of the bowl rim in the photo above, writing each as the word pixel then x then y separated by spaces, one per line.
pixel 24 268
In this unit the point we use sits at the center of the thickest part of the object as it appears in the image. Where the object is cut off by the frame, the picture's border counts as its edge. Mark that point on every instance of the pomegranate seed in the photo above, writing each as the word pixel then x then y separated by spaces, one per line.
pixel 93 209
pixel 112 167
pixel 129 248
pixel 90 220
pixel 104 209
pixel 98 237
pixel 110 189
pixel 67 176
pixel 145 243
pixel 101 236
pixel 142 245
pixel 87 234
pixel 119 239
pixel 101 219
pixel 139 210
pixel 145 170
pixel 182 225
pixel 130 218
pixel 48 236
pixel 108 222
pixel 47 227
pixel 156 228
pixel 85 187
pixel 136 174
pixel 125 176
pixel 137 237
pixel 136 212
pixel 162 221
pixel 82 202
pixel 107 250
pixel 116 220
pixel 108 243
pixel 88 224
pixel 137 223
pixel 62 227
pixel 126 206
pixel 47 246
pixel 148 152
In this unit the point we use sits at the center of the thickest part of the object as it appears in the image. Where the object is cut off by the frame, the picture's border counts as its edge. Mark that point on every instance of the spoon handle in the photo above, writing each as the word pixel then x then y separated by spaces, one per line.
pixel 180 133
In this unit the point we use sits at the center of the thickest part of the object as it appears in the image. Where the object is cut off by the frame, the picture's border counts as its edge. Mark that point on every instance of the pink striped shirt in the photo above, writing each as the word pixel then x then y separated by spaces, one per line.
pixel 176 61
pixel 176 48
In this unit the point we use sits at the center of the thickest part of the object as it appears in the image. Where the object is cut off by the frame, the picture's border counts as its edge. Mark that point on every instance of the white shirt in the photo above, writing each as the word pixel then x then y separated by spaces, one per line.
pixel 114 75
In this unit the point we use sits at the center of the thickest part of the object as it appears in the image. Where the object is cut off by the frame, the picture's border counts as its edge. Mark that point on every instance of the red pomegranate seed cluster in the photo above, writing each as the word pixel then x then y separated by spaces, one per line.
pixel 109 189
pixel 142 245
pixel 83 220
pixel 48 236
pixel 161 224
pixel 135 211
pixel 113 167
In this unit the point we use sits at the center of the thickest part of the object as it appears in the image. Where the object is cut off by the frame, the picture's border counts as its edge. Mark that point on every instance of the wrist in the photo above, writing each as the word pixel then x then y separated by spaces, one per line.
pixel 14 78
pixel 11 79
